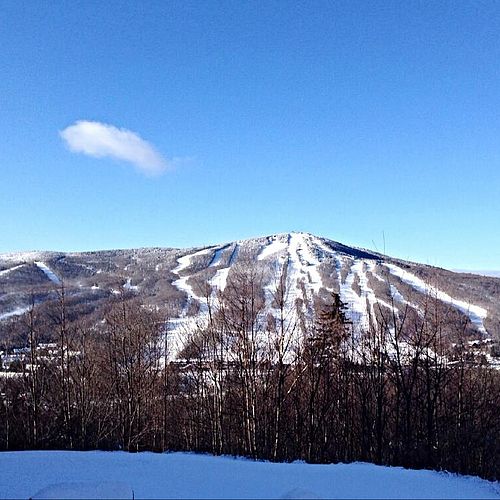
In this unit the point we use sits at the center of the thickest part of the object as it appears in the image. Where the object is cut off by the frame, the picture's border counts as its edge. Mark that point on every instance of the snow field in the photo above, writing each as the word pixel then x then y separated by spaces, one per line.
pixel 42 474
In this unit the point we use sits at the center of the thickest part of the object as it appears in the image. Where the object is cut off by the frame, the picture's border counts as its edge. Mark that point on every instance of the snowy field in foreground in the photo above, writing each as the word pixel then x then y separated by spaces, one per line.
pixel 47 474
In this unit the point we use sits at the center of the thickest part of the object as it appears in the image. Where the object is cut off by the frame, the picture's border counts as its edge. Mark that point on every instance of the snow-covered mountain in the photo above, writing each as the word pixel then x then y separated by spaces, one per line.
pixel 186 280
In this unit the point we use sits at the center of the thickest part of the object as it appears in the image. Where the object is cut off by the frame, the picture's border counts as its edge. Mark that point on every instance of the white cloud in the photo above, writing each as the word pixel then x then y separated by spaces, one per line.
pixel 102 140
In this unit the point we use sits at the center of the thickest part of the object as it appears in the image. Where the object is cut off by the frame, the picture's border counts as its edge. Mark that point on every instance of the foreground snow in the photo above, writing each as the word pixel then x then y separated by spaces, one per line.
pixel 50 474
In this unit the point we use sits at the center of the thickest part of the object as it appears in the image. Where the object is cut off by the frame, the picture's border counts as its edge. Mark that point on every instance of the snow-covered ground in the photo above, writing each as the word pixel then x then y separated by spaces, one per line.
pixel 56 474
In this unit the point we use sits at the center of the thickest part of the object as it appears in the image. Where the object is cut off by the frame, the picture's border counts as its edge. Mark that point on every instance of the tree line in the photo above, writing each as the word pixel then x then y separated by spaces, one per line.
pixel 295 382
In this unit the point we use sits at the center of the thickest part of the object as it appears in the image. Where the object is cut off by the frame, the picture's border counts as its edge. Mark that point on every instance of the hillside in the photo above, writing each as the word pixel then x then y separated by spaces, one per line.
pixel 181 282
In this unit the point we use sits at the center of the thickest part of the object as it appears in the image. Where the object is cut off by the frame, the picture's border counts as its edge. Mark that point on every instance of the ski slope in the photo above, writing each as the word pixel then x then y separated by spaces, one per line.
pixel 48 272
pixel 475 313
pixel 301 255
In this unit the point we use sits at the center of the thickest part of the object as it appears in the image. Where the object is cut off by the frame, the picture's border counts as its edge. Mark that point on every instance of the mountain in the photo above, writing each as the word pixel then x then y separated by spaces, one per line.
pixel 176 280
pixel 488 272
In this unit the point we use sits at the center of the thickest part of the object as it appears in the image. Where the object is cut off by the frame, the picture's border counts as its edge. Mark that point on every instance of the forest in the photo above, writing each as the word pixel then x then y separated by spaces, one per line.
pixel 280 384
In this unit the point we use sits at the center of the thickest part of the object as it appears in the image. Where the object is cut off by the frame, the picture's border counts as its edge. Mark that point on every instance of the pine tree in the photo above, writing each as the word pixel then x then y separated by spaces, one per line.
pixel 331 328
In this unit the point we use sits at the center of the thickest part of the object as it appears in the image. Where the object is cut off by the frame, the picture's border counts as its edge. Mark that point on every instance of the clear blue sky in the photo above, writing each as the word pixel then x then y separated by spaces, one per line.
pixel 351 120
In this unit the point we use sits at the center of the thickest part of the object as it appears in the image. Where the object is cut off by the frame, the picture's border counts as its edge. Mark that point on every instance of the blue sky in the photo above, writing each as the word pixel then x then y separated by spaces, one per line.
pixel 359 121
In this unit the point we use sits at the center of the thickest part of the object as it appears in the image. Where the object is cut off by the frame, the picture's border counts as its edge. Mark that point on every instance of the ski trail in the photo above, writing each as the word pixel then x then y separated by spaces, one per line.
pixel 276 245
pixel 311 263
pixel 182 283
pixel 398 297
pixel 7 271
pixel 217 256
pixel 219 281
pixel 370 266
pixel 367 294
pixel 275 272
pixel 475 313
pixel 356 303
pixel 48 272
pixel 15 312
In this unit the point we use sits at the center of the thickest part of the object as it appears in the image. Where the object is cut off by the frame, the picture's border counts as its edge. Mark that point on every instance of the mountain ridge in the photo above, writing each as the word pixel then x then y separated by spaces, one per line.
pixel 32 254
pixel 368 282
